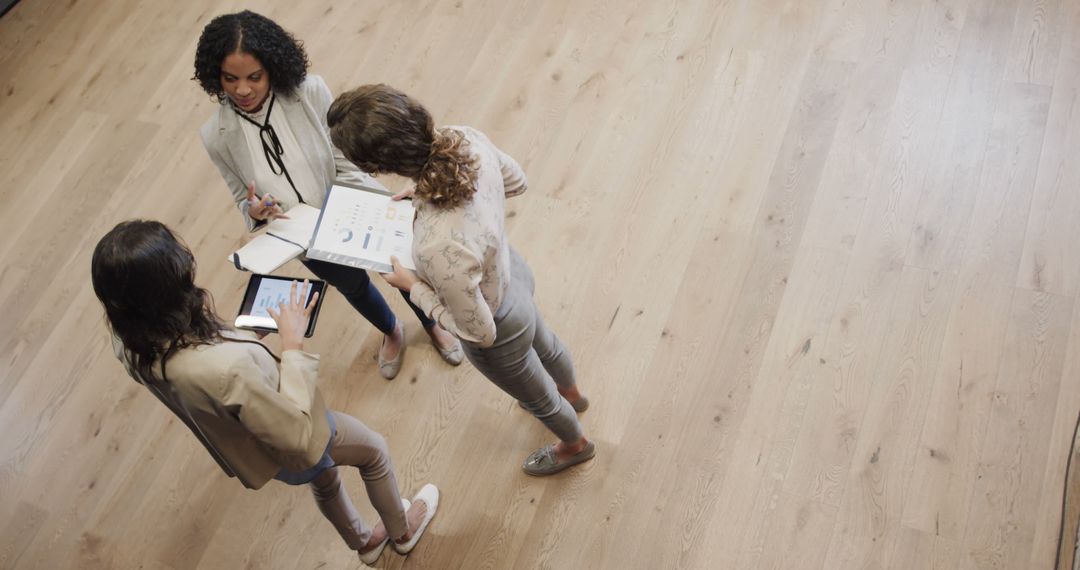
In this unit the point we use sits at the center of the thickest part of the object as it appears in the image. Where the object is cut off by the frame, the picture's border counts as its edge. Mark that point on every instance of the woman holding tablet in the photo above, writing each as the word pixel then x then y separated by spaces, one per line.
pixel 470 279
pixel 269 140
pixel 260 416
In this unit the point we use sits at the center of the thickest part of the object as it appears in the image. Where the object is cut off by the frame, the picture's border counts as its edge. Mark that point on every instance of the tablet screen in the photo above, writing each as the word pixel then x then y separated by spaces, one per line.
pixel 265 291
pixel 271 293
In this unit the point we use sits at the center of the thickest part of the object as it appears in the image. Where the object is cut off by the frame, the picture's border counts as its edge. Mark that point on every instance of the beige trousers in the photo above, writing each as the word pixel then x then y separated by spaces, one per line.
pixel 357 445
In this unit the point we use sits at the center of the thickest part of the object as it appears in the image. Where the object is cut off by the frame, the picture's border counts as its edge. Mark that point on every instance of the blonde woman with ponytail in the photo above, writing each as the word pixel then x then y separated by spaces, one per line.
pixel 469 279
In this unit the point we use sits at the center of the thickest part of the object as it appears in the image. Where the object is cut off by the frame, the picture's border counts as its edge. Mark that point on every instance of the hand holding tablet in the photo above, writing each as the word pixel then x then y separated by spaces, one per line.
pixel 266 292
pixel 292 316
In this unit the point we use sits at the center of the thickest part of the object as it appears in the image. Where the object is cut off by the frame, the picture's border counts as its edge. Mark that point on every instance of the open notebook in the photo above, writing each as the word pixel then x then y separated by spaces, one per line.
pixel 282 241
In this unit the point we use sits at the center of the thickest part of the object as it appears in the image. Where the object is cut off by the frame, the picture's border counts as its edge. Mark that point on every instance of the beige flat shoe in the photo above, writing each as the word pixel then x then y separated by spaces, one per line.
pixel 389 368
pixel 453 355
pixel 370 557
pixel 429 494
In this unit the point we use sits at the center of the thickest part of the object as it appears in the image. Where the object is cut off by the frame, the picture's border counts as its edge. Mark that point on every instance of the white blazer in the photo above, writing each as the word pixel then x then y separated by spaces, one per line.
pixel 305 110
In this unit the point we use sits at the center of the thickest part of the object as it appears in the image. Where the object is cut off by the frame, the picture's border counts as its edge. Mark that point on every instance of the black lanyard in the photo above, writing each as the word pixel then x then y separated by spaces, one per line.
pixel 272 149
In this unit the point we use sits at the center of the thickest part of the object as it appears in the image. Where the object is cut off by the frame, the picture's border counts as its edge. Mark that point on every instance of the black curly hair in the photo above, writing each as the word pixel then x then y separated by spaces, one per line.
pixel 281 54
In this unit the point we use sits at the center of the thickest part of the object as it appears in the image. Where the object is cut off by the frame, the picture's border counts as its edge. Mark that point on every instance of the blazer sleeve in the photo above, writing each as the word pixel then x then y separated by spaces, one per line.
pixel 280 418
pixel 319 96
pixel 237 186
pixel 451 296
pixel 514 181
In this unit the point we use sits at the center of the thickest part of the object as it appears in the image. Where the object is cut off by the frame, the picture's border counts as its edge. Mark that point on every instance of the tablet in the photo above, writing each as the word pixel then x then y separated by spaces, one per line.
pixel 265 291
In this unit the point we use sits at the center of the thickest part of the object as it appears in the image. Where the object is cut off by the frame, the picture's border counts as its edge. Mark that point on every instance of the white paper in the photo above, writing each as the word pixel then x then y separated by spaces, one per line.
pixel 364 229
pixel 298 227
pixel 283 240
pixel 266 253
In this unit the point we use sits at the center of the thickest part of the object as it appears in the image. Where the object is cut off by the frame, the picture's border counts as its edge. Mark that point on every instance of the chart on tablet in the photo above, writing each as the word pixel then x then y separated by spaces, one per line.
pixel 271 293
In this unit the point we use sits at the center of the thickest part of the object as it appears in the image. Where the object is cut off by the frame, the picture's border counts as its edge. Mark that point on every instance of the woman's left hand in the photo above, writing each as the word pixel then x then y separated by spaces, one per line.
pixel 402 278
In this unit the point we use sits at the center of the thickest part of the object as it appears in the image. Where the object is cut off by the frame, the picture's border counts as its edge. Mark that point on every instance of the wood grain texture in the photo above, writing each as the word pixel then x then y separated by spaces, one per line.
pixel 815 262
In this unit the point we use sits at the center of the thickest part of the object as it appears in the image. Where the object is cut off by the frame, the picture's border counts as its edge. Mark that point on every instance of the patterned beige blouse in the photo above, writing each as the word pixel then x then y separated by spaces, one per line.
pixel 462 254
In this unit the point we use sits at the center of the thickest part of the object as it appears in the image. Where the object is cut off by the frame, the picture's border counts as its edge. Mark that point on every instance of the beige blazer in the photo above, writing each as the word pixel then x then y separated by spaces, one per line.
pixel 254 415
pixel 305 110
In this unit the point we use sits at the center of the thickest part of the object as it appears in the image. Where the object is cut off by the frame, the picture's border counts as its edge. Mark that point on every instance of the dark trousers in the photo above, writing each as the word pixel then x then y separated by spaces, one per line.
pixel 361 293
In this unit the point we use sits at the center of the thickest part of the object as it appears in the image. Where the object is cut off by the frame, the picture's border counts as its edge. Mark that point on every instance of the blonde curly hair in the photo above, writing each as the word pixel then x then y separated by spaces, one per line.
pixel 381 129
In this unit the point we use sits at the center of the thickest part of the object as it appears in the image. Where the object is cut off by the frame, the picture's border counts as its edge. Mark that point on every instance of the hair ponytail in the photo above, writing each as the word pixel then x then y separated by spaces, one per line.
pixel 381 129
pixel 448 179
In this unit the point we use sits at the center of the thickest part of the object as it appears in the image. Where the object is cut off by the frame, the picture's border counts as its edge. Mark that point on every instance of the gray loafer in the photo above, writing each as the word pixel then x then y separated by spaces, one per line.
pixel 453 355
pixel 579 406
pixel 544 462
pixel 390 368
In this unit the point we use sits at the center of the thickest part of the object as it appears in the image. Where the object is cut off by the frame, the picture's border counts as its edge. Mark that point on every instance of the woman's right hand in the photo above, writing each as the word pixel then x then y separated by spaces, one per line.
pixel 292 317
pixel 265 208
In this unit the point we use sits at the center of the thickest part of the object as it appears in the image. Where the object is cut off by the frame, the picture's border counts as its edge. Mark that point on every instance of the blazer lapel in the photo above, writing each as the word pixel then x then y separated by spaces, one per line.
pixel 307 129
pixel 234 145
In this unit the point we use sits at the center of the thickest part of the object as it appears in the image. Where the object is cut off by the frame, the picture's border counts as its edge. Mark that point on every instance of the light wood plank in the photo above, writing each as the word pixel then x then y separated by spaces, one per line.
pixel 776 237
pixel 1020 426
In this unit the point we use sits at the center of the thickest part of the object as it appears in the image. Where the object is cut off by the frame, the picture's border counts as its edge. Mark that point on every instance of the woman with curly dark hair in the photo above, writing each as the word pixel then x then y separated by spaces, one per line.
pixel 260 416
pixel 470 280
pixel 270 134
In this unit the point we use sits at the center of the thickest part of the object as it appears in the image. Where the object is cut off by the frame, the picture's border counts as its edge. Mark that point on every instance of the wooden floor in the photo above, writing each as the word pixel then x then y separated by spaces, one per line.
pixel 815 259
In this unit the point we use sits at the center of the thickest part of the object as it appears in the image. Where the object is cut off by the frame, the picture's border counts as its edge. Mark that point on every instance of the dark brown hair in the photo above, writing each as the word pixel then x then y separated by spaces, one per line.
pixel 381 129
pixel 145 278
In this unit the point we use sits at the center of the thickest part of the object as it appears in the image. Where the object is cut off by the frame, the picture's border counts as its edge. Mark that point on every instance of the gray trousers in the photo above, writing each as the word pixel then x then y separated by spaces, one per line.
pixel 357 445
pixel 527 360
